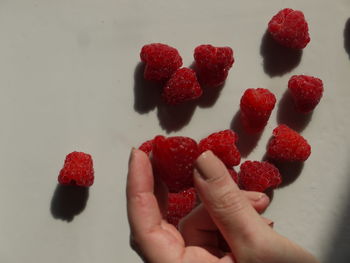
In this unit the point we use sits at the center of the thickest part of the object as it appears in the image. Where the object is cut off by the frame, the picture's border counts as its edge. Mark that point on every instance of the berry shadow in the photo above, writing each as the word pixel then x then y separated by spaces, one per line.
pixel 290 171
pixel 246 141
pixel 146 93
pixel 287 114
pixel 68 201
pixel 147 97
pixel 277 59
pixel 347 37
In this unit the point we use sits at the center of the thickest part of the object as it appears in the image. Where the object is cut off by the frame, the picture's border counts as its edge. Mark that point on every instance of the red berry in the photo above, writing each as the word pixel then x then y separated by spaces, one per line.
pixel 173 160
pixel 181 87
pixel 258 176
pixel 306 91
pixel 161 61
pixel 77 170
pixel 223 145
pixel 256 107
pixel 234 175
pixel 288 145
pixel 180 204
pixel 147 147
pixel 289 28
pixel 213 64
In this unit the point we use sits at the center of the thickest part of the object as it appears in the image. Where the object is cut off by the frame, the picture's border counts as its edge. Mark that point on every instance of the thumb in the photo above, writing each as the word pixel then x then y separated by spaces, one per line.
pixel 228 207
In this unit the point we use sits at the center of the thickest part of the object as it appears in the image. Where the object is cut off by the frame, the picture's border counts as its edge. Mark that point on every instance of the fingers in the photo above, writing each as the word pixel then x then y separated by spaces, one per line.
pixel 227 206
pixel 142 206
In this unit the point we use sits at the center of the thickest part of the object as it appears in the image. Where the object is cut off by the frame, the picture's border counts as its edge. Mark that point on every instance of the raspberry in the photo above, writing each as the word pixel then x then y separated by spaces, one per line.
pixel 234 175
pixel 147 147
pixel 289 28
pixel 258 176
pixel 180 204
pixel 181 87
pixel 306 92
pixel 213 64
pixel 256 107
pixel 77 170
pixel 173 160
pixel 288 145
pixel 222 144
pixel 161 61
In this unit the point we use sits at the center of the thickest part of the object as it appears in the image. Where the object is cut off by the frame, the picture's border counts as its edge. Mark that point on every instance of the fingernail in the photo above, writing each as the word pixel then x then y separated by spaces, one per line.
pixel 131 154
pixel 209 166
pixel 259 196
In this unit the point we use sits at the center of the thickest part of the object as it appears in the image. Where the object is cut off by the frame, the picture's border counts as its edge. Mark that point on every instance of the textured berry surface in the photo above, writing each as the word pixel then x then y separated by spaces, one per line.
pixel 182 86
pixel 258 176
pixel 180 204
pixel 213 64
pixel 256 107
pixel 234 175
pixel 288 145
pixel 161 61
pixel 173 161
pixel 77 170
pixel 147 147
pixel 306 91
pixel 223 145
pixel 289 28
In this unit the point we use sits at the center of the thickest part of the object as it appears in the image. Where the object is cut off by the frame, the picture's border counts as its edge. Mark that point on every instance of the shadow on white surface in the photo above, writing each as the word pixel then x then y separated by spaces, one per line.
pixel 347 37
pixel 286 114
pixel 246 141
pixel 278 60
pixel 147 97
pixel 68 201
pixel 290 171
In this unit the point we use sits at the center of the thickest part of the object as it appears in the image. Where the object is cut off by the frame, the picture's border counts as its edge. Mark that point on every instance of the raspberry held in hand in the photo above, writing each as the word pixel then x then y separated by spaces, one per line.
pixel 213 64
pixel 258 176
pixel 161 61
pixel 77 170
pixel 288 145
pixel 173 161
pixel 147 147
pixel 223 145
pixel 180 204
pixel 256 107
pixel 289 28
pixel 182 86
pixel 306 91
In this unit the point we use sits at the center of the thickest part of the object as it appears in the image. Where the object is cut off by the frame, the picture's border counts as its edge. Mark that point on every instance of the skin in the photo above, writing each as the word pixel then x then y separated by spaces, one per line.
pixel 224 209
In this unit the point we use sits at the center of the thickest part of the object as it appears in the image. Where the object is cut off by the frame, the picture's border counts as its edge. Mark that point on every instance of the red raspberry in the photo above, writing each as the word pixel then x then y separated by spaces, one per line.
pixel 181 87
pixel 256 107
pixel 258 176
pixel 234 175
pixel 77 170
pixel 222 144
pixel 213 64
pixel 147 147
pixel 161 61
pixel 180 204
pixel 290 29
pixel 288 145
pixel 306 91
pixel 173 160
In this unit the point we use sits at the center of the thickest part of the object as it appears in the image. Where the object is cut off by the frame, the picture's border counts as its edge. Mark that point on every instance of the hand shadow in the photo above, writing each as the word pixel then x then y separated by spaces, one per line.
pixel 68 201
pixel 246 141
pixel 347 37
pixel 287 114
pixel 277 59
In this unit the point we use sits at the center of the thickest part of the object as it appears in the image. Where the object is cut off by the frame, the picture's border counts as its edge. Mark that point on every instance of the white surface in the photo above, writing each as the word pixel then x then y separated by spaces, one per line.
pixel 67 83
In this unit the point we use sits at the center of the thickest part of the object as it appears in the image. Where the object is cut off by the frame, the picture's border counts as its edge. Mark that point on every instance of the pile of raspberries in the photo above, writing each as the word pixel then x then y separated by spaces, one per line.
pixel 173 157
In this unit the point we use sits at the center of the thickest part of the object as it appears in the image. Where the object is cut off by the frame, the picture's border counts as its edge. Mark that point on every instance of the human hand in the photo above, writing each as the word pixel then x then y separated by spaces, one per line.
pixel 225 208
